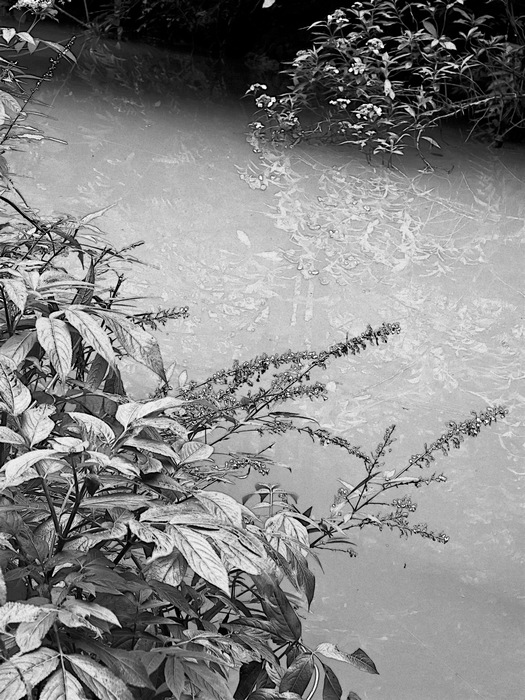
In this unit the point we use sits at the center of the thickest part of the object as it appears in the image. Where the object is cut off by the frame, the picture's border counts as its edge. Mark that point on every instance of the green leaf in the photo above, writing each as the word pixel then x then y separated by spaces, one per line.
pixel 96 373
pixel 18 470
pixel 353 696
pixel 127 665
pixel 10 437
pixel 13 393
pixel 279 611
pixel 156 446
pixel 194 451
pixel 8 33
pixel 8 100
pixel 35 424
pixel 138 344
pixel 236 555
pixel 18 346
pixel 163 542
pixel 100 680
pixel 331 687
pixel 223 507
pixel 363 662
pixel 431 29
pixel 86 609
pixel 431 141
pixel 174 676
pixel 21 673
pixel 60 50
pixel 62 685
pixel 29 635
pixel 94 425
pixel 359 658
pixel 118 500
pixel 16 291
pixel 213 684
pixel 129 413
pixel 92 333
pixel 298 675
pixel 201 556
pixel 55 339
pixel 168 570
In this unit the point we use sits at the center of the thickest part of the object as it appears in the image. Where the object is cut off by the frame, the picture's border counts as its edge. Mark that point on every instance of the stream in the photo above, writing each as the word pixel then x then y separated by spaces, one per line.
pixel 296 249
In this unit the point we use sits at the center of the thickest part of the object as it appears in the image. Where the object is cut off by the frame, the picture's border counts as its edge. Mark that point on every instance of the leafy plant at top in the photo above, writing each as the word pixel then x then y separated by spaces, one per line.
pixel 382 72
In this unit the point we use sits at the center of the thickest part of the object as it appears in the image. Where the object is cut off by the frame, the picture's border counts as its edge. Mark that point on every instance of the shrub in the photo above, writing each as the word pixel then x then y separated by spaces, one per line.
pixel 384 72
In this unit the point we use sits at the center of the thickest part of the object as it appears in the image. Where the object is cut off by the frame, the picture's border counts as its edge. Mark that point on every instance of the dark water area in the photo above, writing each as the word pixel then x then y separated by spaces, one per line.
pixel 297 249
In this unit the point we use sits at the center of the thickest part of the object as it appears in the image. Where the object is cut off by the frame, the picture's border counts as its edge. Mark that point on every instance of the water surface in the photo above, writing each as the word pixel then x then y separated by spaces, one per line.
pixel 295 249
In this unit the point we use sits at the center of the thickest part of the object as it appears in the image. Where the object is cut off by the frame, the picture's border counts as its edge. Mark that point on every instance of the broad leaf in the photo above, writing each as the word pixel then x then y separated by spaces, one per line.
pixel 225 508
pixel 127 665
pixel 359 658
pixel 18 470
pixel 55 339
pixel 138 344
pixel 18 346
pixel 118 500
pixel 174 676
pixel 26 671
pixel 168 570
pixel 87 609
pixel 155 446
pixel 16 291
pixel 62 685
pixel 298 675
pixel 35 423
pixel 331 687
pixel 279 611
pixel 29 635
pixel 239 552
pixel 212 683
pixel 93 424
pixel 363 662
pixel 100 680
pixel 15 396
pixel 92 333
pixel 10 437
pixel 5 98
pixel 195 451
pixel 132 411
pixel 11 613
pixel 201 556
pixel 163 542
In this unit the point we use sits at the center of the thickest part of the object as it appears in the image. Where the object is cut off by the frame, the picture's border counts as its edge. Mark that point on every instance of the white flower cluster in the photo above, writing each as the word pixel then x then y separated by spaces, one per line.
pixel 265 102
pixel 36 6
pixel 375 45
pixel 329 68
pixel 368 111
pixel 339 17
pixel 255 87
pixel 358 68
pixel 341 102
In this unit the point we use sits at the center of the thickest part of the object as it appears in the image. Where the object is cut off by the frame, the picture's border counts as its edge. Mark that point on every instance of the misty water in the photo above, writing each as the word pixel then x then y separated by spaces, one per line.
pixel 296 249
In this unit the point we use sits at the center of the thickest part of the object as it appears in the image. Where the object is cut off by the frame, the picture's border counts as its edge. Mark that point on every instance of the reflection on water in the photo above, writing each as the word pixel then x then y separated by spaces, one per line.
pixel 276 250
